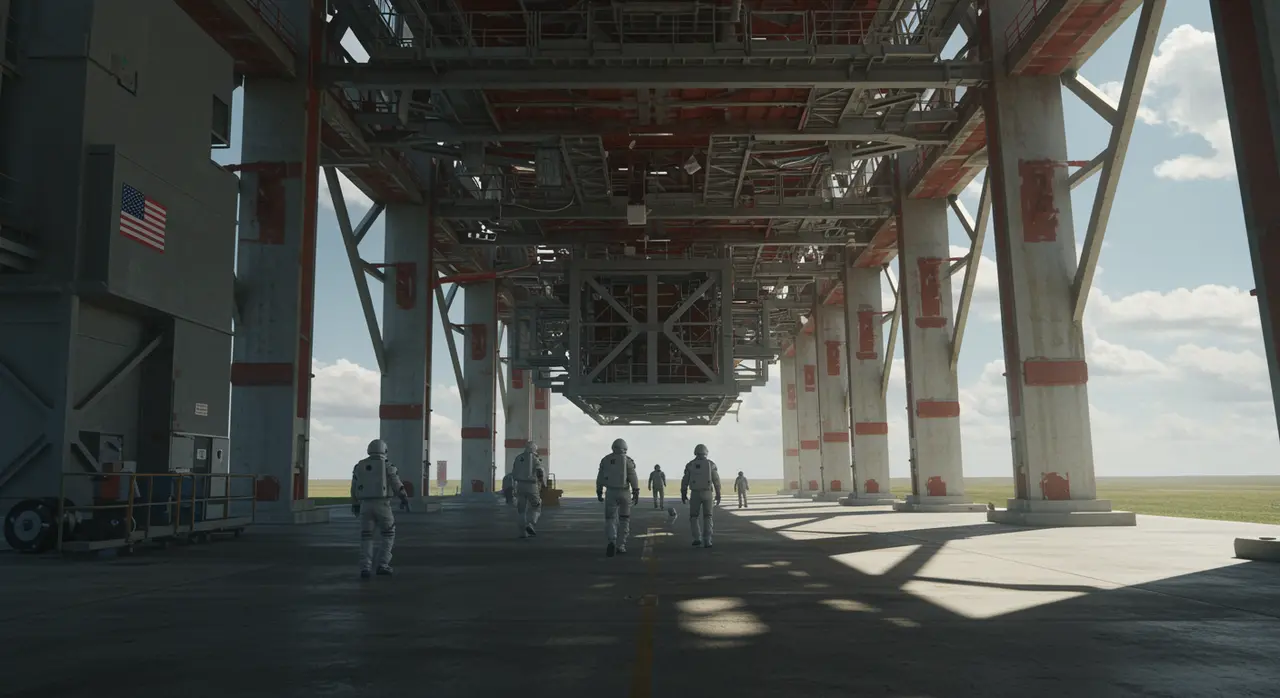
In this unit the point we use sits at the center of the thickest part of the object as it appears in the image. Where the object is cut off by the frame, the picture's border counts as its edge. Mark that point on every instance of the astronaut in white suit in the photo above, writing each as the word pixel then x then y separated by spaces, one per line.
pixel 528 477
pixel 618 486
pixel 701 482
pixel 374 481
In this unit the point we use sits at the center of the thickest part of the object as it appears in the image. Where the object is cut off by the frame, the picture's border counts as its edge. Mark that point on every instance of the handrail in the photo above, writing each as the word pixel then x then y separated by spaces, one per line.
pixel 174 505
pixel 271 13
pixel 1022 21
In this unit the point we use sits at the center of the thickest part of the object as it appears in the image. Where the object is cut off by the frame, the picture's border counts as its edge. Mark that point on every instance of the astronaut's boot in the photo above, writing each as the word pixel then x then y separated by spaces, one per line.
pixel 528 529
pixel 384 570
pixel 611 550
pixel 366 573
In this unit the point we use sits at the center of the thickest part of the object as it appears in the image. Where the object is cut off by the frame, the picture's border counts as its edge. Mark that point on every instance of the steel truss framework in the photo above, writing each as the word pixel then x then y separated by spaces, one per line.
pixel 765 138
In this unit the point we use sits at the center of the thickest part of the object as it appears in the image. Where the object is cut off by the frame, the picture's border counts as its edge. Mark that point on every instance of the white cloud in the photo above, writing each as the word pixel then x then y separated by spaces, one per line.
pixel 1226 375
pixel 1109 359
pixel 345 390
pixel 1184 93
pixel 1182 312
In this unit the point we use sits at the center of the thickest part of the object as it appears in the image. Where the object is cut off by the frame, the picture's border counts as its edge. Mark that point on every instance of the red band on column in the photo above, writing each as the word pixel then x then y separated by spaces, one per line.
pixel 810 445
pixel 937 409
pixel 261 374
pixel 544 451
pixel 514 443
pixel 476 432
pixel 835 437
pixel 399 412
pixel 871 428
pixel 1048 373
pixel 792 452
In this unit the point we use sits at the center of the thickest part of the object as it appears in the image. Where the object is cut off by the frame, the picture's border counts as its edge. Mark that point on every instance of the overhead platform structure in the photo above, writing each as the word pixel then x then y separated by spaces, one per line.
pixel 658 200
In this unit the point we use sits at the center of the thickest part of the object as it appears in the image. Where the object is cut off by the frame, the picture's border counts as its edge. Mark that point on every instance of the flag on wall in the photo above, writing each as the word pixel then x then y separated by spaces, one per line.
pixel 141 218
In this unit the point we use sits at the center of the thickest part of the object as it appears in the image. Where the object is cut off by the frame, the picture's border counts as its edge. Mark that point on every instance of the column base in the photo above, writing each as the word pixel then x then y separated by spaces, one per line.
pixel 303 512
pixel 870 500
pixel 828 496
pixel 805 495
pixel 1052 514
pixel 786 493
pixel 1264 549
pixel 938 505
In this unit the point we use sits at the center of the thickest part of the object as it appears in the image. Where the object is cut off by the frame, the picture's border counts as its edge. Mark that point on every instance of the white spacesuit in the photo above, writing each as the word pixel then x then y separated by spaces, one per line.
pixel 741 487
pixel 658 483
pixel 702 477
pixel 374 481
pixel 528 477
pixel 618 486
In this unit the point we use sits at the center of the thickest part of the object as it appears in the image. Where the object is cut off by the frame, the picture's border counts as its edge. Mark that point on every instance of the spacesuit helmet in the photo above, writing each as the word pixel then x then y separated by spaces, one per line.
pixel 657 467
pixel 700 450
pixel 377 447
pixel 619 446
pixel 739 473
pixel 530 446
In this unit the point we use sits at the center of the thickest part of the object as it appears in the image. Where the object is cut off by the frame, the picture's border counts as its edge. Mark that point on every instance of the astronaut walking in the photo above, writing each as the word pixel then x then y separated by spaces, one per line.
pixel 618 486
pixel 702 477
pixel 658 484
pixel 374 481
pixel 741 487
pixel 528 478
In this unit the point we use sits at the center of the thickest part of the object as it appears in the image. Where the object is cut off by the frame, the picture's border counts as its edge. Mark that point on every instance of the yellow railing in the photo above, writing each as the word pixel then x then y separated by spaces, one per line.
pixel 125 492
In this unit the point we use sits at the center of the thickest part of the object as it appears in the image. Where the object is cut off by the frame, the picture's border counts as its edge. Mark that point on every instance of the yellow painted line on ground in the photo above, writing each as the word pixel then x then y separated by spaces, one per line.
pixel 642 669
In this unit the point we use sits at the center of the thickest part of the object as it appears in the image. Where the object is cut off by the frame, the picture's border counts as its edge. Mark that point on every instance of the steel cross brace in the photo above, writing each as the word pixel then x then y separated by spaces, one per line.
pixel 444 304
pixel 895 319
pixel 977 233
pixel 351 243
pixel 1112 159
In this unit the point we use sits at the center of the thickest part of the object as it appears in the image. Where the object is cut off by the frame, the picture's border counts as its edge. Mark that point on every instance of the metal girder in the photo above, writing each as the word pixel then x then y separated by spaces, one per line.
pixel 1135 77
pixel 473 210
pixel 814 238
pixel 977 233
pixel 855 129
pixel 585 50
pixel 895 321
pixel 373 75
pixel 443 305
pixel 351 244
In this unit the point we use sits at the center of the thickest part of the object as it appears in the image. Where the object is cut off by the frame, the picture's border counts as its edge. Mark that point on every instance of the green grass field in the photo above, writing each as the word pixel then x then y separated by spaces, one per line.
pixel 1250 499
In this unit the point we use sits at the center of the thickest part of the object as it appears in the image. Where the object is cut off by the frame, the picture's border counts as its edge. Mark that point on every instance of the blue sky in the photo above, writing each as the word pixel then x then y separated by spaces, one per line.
pixel 1178 380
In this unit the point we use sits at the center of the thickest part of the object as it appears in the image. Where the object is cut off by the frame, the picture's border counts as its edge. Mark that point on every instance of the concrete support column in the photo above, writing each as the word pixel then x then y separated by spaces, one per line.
pixel 405 412
pixel 1036 262
pixel 479 371
pixel 808 417
pixel 790 433
pixel 542 425
pixel 864 320
pixel 933 396
pixel 275 270
pixel 518 409
pixel 833 403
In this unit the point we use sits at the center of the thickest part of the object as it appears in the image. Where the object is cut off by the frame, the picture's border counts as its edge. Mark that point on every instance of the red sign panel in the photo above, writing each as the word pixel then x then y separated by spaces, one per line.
pixel 810 378
pixel 540 396
pixel 930 289
pixel 791 396
pixel 479 340
pixel 866 335
pixel 833 358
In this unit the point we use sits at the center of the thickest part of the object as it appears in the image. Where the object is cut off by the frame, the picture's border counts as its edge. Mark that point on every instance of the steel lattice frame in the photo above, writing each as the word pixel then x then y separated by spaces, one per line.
pixel 762 134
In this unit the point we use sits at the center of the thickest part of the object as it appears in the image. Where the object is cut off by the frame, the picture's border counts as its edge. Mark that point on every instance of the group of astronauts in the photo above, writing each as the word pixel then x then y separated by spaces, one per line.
pixel 375 480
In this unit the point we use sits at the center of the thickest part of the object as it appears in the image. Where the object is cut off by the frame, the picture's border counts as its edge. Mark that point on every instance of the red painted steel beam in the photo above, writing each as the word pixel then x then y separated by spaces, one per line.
pixel 1248 35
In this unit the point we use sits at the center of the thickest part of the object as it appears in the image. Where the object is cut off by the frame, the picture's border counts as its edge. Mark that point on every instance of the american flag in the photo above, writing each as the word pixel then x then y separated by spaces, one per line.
pixel 141 218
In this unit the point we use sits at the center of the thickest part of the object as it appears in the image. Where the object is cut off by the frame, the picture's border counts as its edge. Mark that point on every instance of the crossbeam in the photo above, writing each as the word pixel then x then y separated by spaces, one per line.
pixel 857 129
pixel 473 210
pixel 373 75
